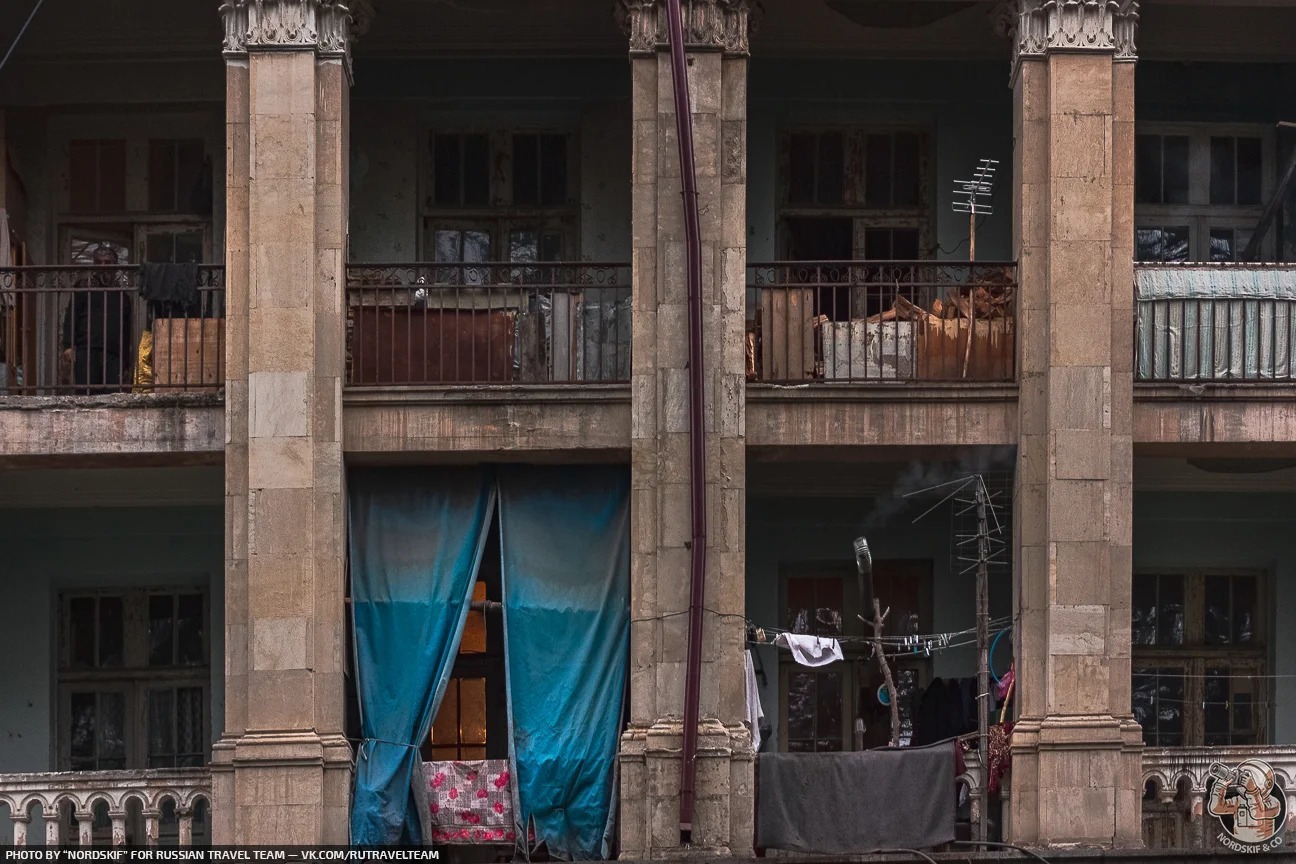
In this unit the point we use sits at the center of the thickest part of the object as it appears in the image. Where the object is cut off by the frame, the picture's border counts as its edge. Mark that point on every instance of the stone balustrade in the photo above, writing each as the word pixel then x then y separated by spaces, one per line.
pixel 1175 778
pixel 140 800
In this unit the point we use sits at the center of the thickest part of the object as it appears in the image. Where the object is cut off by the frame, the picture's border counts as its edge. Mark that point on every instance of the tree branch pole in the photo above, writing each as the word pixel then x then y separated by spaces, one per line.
pixel 878 617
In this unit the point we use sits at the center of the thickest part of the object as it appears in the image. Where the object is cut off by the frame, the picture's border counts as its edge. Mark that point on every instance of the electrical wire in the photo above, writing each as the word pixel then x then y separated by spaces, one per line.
pixel 23 30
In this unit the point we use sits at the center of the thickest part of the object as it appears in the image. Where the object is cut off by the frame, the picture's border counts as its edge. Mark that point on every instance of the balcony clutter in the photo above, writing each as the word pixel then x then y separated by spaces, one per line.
pixel 883 321
pixel 459 323
pixel 103 328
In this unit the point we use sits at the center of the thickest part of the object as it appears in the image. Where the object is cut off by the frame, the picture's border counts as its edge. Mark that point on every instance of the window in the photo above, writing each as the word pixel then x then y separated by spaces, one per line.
pixel 471 722
pixel 819 706
pixel 500 196
pixel 1199 191
pixel 1199 658
pixel 134 676
pixel 97 176
pixel 179 178
pixel 870 187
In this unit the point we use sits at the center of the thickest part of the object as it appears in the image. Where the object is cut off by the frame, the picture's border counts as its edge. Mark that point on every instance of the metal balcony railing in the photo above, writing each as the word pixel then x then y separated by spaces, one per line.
pixel 487 323
pixel 872 321
pixel 86 330
pixel 1225 322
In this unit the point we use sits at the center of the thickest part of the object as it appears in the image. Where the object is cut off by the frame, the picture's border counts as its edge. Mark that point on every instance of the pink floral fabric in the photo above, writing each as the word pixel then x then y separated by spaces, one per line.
pixel 470 802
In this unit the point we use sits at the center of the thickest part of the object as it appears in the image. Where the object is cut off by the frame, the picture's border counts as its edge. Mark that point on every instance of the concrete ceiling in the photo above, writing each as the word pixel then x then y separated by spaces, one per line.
pixel 1255 30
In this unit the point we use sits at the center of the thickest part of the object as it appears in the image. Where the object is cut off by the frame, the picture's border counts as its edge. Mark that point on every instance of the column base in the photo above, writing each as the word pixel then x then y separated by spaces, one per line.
pixel 1077 781
pixel 724 814
pixel 277 788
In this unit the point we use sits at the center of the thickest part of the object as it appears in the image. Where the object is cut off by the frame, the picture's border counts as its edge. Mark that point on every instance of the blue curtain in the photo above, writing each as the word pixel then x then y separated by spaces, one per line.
pixel 416 543
pixel 564 534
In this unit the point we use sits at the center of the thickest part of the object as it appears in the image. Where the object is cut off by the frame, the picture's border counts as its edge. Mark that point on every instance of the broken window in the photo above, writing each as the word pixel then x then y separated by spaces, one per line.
pixel 1199 191
pixel 134 677
pixel 1199 658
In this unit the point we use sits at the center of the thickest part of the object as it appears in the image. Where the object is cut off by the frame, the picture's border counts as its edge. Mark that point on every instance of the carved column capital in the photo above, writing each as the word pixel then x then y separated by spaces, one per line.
pixel 716 25
pixel 1038 27
pixel 324 26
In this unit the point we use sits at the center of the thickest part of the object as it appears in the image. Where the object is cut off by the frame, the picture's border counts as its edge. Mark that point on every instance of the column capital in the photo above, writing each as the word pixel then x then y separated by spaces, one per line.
pixel 1039 27
pixel 716 25
pixel 325 26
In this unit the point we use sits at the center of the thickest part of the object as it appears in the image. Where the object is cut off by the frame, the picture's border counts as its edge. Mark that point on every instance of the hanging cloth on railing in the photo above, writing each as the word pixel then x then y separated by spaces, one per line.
pixel 416 543
pixel 564 534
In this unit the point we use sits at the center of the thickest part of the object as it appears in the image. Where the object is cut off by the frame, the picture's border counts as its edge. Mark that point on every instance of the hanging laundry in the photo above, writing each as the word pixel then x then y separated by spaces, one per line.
pixel 755 714
pixel 810 650
pixel 467 802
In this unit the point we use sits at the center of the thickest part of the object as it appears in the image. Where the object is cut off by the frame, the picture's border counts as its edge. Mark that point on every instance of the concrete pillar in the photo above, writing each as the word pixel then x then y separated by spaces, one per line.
pixel 281 771
pixel 716 33
pixel 1076 774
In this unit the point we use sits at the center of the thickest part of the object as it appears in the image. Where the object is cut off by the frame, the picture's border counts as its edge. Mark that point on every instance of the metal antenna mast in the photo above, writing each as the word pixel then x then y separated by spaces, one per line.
pixel 973 198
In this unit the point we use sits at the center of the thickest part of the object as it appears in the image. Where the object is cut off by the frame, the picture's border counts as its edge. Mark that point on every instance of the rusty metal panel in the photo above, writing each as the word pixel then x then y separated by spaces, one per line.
pixel 394 345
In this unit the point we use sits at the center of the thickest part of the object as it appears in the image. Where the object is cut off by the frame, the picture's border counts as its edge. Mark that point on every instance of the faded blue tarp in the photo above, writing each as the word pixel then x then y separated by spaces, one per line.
pixel 564 534
pixel 416 543
pixel 1211 323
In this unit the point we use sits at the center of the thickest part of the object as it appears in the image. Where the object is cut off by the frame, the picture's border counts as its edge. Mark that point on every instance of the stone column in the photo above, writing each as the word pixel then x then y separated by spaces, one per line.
pixel 281 771
pixel 716 35
pixel 1076 749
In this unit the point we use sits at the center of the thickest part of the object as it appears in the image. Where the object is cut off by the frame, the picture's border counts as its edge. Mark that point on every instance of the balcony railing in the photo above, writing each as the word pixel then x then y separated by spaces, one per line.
pixel 871 321
pixel 482 323
pixel 86 330
pixel 1175 805
pixel 168 806
pixel 1215 322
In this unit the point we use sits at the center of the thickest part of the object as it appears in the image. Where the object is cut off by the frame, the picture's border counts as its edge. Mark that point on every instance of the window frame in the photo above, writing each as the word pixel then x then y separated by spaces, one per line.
pixel 1195 655
pixel 919 216
pixel 499 215
pixel 1199 215
pixel 857 657
pixel 135 678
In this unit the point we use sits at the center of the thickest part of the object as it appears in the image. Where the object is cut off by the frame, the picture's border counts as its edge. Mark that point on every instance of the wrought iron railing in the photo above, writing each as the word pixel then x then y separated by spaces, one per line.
pixel 1225 322
pixel 487 323
pixel 165 806
pixel 869 321
pixel 87 330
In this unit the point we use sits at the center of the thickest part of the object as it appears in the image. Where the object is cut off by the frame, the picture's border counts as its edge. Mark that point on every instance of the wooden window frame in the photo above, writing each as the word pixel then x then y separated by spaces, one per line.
pixel 1199 215
pixel 1195 656
pixel 135 678
pixel 920 216
pixel 500 215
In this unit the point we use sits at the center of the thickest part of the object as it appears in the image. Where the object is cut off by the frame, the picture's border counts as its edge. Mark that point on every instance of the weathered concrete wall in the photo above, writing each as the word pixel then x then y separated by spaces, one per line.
pixel 1232 530
pixel 873 416
pixel 488 421
pixel 51 549
pixel 966 105
pixel 91 429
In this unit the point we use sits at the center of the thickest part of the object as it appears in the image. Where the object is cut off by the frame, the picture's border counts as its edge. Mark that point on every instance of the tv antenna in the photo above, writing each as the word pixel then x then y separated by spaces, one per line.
pixel 973 198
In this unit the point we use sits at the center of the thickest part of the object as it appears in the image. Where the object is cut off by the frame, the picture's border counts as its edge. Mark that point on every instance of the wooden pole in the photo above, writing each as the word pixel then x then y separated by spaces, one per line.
pixel 878 617
pixel 967 351
pixel 983 655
